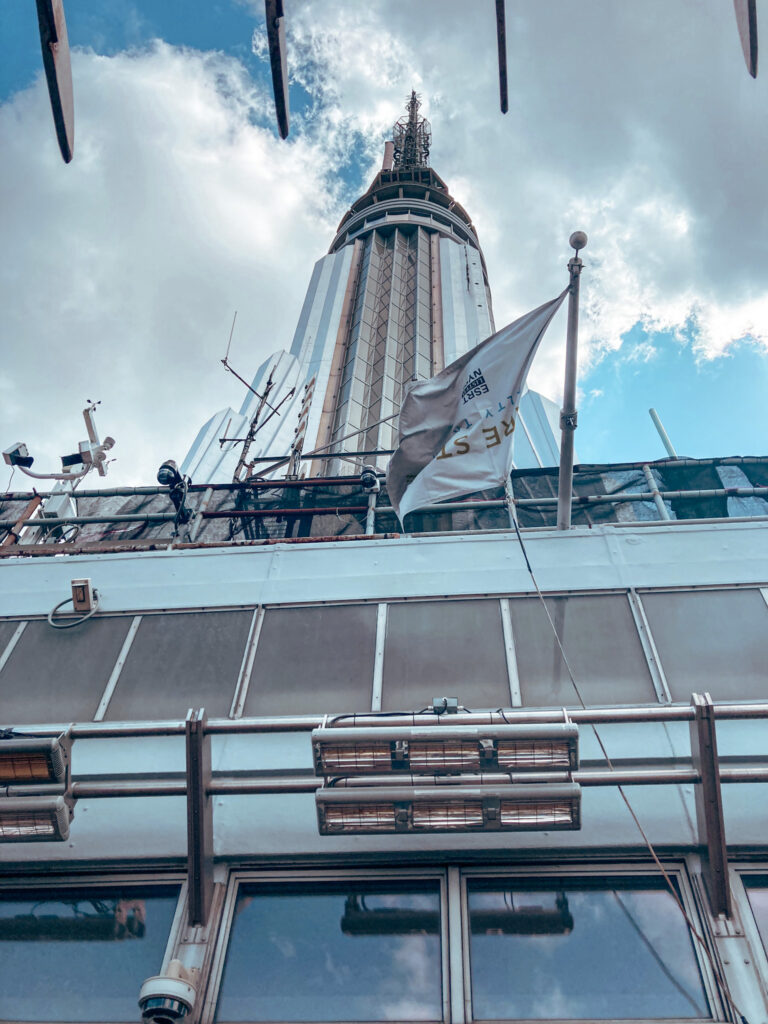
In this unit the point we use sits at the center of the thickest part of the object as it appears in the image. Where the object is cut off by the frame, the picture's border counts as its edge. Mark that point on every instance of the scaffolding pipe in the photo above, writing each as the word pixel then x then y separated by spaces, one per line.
pixel 661 508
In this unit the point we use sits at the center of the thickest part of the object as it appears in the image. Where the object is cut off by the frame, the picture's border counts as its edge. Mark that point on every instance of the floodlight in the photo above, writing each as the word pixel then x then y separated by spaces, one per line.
pixel 417 809
pixel 445 749
pixel 33 760
pixel 29 819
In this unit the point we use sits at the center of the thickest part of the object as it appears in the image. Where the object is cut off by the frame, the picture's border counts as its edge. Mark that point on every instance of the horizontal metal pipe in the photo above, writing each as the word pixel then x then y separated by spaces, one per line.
pixel 239 786
pixel 251 513
pixel 305 723
pixel 44 521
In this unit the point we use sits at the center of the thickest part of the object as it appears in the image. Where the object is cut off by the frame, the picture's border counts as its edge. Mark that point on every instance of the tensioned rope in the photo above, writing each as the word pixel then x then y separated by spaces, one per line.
pixel 665 874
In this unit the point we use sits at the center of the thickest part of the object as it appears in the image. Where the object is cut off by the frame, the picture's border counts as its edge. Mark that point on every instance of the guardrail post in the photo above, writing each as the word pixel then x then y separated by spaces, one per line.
pixel 709 804
pixel 199 818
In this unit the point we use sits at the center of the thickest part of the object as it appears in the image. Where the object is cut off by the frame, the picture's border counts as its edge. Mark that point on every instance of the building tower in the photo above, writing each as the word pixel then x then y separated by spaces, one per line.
pixel 402 292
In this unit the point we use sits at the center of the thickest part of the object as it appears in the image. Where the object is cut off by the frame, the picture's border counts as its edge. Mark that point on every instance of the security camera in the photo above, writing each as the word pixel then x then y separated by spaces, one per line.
pixel 168 475
pixel 168 997
pixel 369 479
pixel 18 455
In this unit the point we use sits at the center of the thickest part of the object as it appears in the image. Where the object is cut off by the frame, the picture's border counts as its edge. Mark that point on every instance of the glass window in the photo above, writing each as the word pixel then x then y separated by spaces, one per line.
pixel 581 949
pixel 600 641
pixel 712 640
pixel 340 953
pixel 444 649
pixel 81 954
pixel 59 675
pixel 757 893
pixel 314 660
pixel 197 655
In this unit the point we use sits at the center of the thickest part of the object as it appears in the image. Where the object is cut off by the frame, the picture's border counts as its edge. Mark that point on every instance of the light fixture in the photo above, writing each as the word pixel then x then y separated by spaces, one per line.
pixel 378 810
pixel 32 760
pixel 29 819
pixel 433 750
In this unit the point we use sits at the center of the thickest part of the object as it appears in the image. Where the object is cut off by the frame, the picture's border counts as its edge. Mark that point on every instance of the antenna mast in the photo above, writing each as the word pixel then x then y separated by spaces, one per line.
pixel 412 136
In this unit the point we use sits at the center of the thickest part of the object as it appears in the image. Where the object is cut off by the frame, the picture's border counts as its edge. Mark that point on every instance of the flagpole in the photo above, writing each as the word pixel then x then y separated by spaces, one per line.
pixel 568 414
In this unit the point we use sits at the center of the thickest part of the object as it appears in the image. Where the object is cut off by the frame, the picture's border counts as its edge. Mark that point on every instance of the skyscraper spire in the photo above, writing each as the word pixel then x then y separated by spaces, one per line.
pixel 412 136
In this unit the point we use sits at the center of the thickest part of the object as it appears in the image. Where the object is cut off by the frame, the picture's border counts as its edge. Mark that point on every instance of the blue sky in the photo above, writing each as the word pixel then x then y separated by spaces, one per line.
pixel 182 205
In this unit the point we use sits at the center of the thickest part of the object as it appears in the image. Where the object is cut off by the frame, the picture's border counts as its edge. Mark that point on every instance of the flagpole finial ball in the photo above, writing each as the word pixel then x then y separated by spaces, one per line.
pixel 578 240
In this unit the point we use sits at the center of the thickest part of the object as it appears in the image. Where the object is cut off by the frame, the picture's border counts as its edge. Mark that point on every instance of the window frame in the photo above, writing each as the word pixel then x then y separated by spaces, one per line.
pixel 758 943
pixel 679 874
pixel 106 881
pixel 290 879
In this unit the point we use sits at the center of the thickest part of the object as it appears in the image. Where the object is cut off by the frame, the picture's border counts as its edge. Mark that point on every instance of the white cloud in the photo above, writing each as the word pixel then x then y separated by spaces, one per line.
pixel 635 122
pixel 123 270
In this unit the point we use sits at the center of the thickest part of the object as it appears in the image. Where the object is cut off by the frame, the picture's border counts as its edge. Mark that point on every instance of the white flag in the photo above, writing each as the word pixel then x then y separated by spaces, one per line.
pixel 456 429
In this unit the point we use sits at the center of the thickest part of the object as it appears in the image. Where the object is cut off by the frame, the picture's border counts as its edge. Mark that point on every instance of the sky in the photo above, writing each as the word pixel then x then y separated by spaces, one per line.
pixel 635 122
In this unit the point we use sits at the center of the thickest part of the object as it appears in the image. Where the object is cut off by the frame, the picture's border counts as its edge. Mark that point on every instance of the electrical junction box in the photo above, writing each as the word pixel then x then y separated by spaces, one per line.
pixel 82 595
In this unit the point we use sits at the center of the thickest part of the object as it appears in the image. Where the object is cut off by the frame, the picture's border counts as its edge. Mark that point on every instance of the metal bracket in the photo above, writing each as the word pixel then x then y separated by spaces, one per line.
pixel 199 819
pixel 709 805
pixel 568 421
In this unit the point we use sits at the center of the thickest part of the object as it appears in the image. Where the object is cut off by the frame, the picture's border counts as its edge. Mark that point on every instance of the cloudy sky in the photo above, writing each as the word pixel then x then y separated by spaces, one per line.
pixel 635 121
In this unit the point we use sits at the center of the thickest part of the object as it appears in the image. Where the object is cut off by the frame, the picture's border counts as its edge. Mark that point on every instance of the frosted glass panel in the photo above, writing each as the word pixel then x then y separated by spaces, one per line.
pixel 314 660
pixel 444 649
pixel 601 644
pixel 713 640
pixel 59 675
pixel 177 662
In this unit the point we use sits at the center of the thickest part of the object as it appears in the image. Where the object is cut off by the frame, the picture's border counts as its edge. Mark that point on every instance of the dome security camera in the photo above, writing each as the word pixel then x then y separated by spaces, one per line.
pixel 369 479
pixel 168 997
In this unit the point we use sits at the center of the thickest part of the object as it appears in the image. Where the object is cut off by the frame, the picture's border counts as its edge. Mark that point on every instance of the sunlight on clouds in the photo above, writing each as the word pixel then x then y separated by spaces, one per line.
pixel 178 210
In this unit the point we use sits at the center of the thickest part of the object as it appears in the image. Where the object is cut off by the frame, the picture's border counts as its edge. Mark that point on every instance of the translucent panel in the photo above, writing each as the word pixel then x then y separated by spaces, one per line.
pixel 177 662
pixel 59 675
pixel 314 660
pixel 336 954
pixel 713 640
pixel 81 955
pixel 600 641
pixel 7 628
pixel 445 649
pixel 757 892
pixel 615 950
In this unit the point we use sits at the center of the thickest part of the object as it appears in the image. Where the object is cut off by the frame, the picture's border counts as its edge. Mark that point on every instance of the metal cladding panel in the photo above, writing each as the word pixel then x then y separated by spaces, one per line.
pixel 313 661
pixel 603 557
pixel 207 460
pixel 317 331
pixel 444 649
pixel 541 420
pixel 59 675
pixel 177 662
pixel 467 319
pixel 712 641
pixel 602 646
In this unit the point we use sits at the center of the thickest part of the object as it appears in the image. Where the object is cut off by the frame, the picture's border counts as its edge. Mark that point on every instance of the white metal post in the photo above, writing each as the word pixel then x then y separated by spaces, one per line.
pixel 568 415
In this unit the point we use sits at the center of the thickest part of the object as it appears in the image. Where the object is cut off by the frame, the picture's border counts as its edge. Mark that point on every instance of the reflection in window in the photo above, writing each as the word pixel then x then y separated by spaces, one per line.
pixel 333 955
pixel 757 892
pixel 80 955
pixel 581 949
